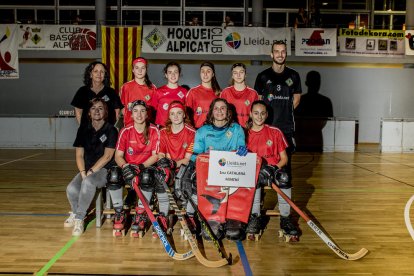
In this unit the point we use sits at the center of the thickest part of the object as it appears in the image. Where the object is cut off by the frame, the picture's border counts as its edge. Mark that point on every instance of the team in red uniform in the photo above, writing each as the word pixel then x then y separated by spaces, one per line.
pixel 270 144
pixel 239 94
pixel 136 151
pixel 140 88
pixel 176 144
pixel 199 98
pixel 168 93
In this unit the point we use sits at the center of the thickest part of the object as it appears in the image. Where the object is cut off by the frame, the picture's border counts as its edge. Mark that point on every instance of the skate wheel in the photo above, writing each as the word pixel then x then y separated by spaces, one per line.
pixel 281 234
pixel 133 234
pixel 294 238
pixel 182 233
pixel 287 238
pixel 118 233
pixel 169 232
pixel 154 235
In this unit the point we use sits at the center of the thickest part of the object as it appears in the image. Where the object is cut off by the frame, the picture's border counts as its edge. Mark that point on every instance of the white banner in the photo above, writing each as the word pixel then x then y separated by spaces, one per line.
pixel 182 40
pixel 409 42
pixel 253 40
pixel 231 170
pixel 9 60
pixel 57 37
pixel 315 42
pixel 373 43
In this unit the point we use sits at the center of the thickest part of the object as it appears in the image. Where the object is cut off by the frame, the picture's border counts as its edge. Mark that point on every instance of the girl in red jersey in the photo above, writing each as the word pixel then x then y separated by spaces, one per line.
pixel 136 151
pixel 140 88
pixel 239 94
pixel 200 97
pixel 168 93
pixel 176 146
pixel 270 144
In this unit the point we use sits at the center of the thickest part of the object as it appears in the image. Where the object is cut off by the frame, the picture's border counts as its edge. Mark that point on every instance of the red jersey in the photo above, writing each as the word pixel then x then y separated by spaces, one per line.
pixel 131 91
pixel 199 99
pixel 163 97
pixel 177 144
pixel 267 143
pixel 242 101
pixel 133 144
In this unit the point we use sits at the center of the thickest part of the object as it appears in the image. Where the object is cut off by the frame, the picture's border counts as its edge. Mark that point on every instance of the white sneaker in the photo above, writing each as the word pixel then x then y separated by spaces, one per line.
pixel 69 221
pixel 78 228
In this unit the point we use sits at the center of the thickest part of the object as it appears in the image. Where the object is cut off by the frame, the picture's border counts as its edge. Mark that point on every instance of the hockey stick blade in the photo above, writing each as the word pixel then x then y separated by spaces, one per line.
pixel 207 228
pixel 346 256
pixel 203 260
pixel 407 217
pixel 167 246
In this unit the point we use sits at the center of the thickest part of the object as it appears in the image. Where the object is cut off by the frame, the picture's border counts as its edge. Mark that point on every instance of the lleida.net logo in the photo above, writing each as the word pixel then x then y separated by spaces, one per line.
pixel 233 40
pixel 222 162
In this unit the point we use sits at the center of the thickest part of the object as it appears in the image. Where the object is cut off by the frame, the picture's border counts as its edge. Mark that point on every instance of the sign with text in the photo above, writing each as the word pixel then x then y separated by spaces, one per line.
pixel 57 37
pixel 409 42
pixel 231 170
pixel 315 42
pixel 371 43
pixel 253 40
pixel 9 59
pixel 182 39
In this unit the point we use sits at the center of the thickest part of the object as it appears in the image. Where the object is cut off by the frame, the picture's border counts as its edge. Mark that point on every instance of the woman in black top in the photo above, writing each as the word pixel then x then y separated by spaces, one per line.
pixel 97 85
pixel 95 147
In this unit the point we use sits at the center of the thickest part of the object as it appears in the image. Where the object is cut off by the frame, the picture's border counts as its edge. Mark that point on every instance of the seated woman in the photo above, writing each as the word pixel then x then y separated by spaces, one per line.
pixel 270 144
pixel 95 146
pixel 221 133
pixel 136 153
pixel 176 147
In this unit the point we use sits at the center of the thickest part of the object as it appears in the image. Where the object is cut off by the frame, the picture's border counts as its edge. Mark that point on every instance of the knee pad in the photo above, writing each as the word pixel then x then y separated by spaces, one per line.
pixel 114 178
pixel 146 180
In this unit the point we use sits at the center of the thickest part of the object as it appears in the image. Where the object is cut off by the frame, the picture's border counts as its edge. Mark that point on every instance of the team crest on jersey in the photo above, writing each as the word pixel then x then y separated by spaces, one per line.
pixel 289 82
pixel 165 106
pixel 181 94
pixel 103 138
pixel 185 145
pixel 199 110
pixel 269 142
pixel 247 102
pixel 229 134
pixel 130 151
pixel 147 97
pixel 105 98
pixel 270 97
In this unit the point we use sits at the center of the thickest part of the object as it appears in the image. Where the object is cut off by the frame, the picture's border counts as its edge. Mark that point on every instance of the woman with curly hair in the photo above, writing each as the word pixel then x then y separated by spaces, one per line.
pixel 96 85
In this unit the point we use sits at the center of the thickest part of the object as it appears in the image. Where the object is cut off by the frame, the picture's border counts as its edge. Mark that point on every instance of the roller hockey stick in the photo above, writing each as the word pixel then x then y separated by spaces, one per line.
pixel 346 256
pixel 207 228
pixel 194 246
pixel 167 246
pixel 407 217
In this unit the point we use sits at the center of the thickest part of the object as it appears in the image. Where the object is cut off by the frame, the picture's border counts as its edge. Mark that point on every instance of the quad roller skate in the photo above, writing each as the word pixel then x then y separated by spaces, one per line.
pixel 235 230
pixel 254 228
pixel 139 223
pixel 288 231
pixel 119 223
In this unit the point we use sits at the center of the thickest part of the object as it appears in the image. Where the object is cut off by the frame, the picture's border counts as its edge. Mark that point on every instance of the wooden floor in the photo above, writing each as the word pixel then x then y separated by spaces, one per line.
pixel 357 198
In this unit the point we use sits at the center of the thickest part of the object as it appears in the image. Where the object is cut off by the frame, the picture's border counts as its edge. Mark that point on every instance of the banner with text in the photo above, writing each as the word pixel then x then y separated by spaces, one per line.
pixel 315 42
pixel 253 40
pixel 57 37
pixel 409 42
pixel 9 60
pixel 374 43
pixel 228 169
pixel 182 40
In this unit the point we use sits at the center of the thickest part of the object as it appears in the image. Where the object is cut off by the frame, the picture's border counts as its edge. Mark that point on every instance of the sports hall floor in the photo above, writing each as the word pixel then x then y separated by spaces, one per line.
pixel 357 198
